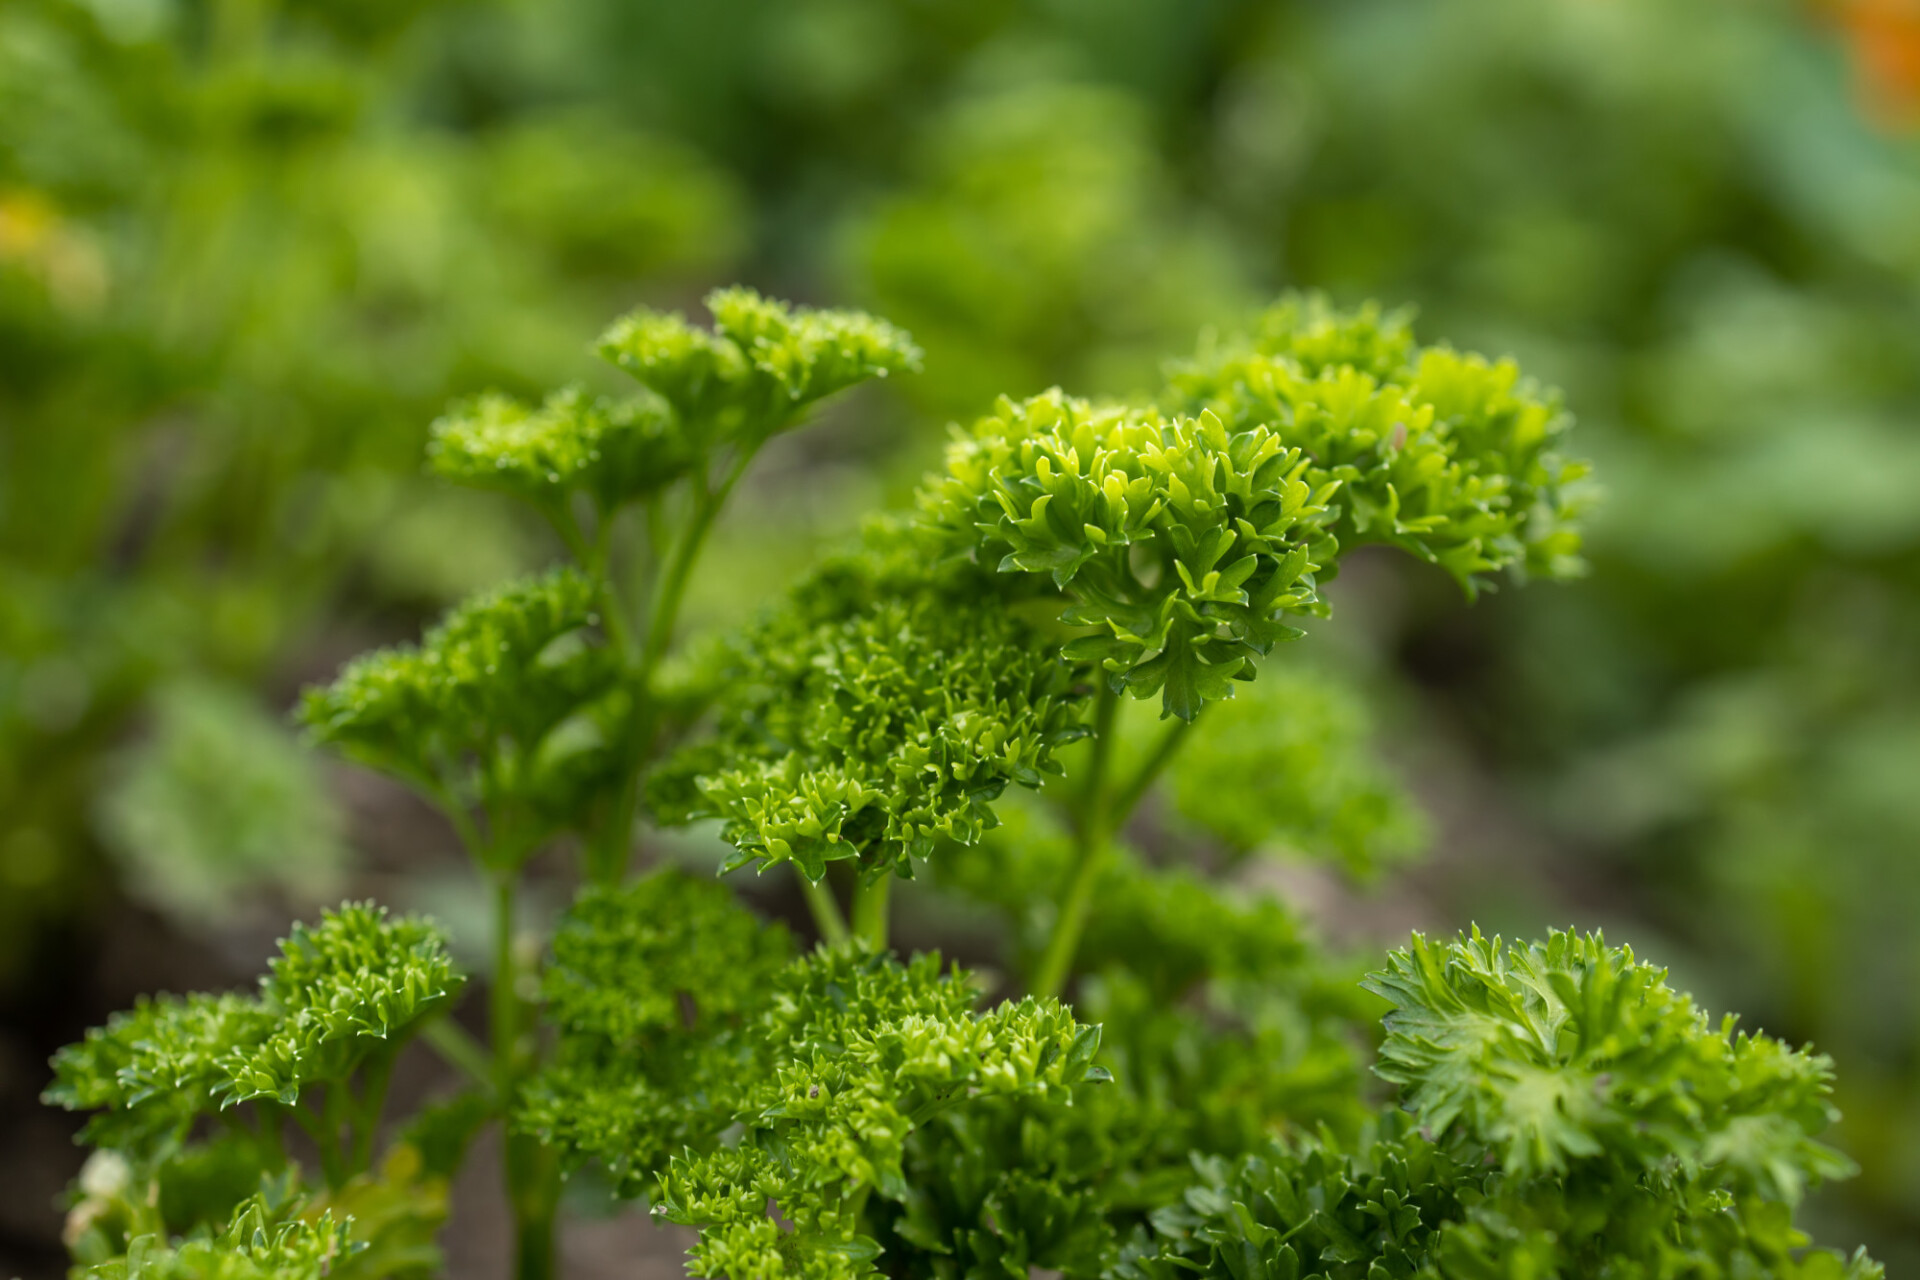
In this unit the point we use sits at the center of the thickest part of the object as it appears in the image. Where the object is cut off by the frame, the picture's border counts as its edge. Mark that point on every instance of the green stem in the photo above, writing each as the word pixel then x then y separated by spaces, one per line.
pixel 933 1107
pixel 672 587
pixel 870 910
pixel 504 1001
pixel 533 1179
pixel 607 858
pixel 267 1115
pixel 1050 979
pixel 561 518
pixel 373 1101
pixel 597 559
pixel 333 1120
pixel 532 1174
pixel 1091 832
pixel 826 912
pixel 1127 797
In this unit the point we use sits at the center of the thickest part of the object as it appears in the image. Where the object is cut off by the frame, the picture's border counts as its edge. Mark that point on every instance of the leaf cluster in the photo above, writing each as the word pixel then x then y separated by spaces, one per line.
pixel 340 991
pixel 866 1050
pixel 753 375
pixel 762 364
pixel 1448 456
pixel 495 707
pixel 1182 534
pixel 1017 1183
pixel 1179 543
pixel 654 988
pixel 614 452
pixel 1220 1026
pixel 1574 1116
pixel 261 1242
pixel 1168 550
pixel 865 720
pixel 1568 1049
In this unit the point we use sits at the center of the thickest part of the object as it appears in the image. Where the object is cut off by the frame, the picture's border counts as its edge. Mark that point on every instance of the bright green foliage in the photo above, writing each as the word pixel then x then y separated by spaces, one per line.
pixel 1219 1027
pixel 1180 542
pixel 1001 1187
pixel 1286 765
pixel 1184 541
pixel 259 1244
pixel 763 363
pixel 838 745
pixel 244 1225
pixel 1400 1206
pixel 1575 1117
pixel 339 991
pixel 848 1114
pixel 1309 1210
pixel 1559 1051
pixel 867 1050
pixel 474 714
pixel 1445 455
pixel 152 1070
pixel 613 452
pixel 656 955
pixel 542 707
pixel 195 1097
pixel 652 987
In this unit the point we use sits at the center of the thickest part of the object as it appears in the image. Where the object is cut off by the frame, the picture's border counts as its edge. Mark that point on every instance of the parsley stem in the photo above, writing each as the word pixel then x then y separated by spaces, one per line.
pixel 504 1001
pixel 870 910
pixel 266 1114
pixel 373 1101
pixel 532 1176
pixel 1091 830
pixel 333 1119
pixel 672 587
pixel 826 912
pixel 1128 796
pixel 1096 814
pixel 607 856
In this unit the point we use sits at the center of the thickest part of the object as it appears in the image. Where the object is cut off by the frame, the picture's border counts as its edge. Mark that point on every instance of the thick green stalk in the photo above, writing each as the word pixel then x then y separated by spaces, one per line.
pixel 672 587
pixel 267 1117
pixel 607 855
pixel 333 1122
pixel 373 1101
pixel 1089 853
pixel 1126 797
pixel 1098 812
pixel 532 1176
pixel 826 912
pixel 1091 844
pixel 1091 838
pixel 870 910
pixel 504 1000
pixel 533 1187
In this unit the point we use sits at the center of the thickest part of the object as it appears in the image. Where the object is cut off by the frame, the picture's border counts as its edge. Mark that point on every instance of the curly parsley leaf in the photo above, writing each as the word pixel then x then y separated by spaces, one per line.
pixel 836 742
pixel 654 987
pixel 504 705
pixel 867 1050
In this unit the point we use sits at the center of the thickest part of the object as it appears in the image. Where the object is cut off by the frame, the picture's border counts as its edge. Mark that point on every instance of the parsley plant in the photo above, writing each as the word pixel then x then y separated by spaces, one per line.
pixel 1173 1088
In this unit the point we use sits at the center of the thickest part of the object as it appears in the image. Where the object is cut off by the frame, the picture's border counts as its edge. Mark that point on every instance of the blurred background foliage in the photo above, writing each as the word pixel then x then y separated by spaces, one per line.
pixel 248 248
